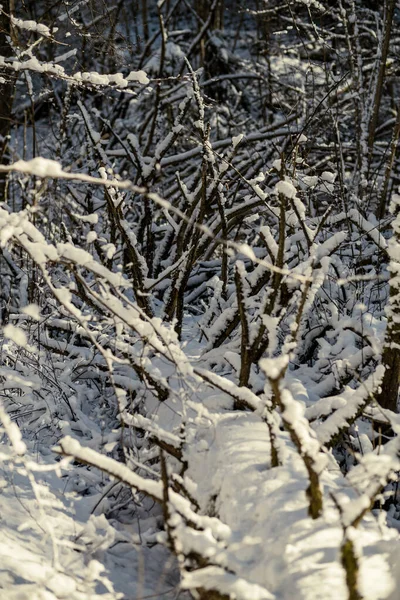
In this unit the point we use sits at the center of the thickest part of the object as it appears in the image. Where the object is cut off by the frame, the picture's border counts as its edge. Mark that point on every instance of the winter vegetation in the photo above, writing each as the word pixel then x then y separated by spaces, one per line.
pixel 199 299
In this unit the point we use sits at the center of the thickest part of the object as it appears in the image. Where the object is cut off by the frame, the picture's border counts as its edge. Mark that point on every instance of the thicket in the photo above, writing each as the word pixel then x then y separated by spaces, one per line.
pixel 201 199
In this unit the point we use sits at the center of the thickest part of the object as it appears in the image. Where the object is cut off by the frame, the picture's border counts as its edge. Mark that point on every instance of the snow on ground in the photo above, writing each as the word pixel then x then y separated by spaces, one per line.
pixel 52 548
pixel 56 542
pixel 273 542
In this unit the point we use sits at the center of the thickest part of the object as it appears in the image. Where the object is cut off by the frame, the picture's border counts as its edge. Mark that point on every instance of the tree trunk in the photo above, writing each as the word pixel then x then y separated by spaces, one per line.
pixel 390 6
pixel 387 398
pixel 6 88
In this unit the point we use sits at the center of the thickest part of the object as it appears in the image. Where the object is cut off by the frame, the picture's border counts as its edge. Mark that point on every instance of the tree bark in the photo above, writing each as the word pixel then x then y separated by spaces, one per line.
pixel 390 6
pixel 387 397
pixel 7 87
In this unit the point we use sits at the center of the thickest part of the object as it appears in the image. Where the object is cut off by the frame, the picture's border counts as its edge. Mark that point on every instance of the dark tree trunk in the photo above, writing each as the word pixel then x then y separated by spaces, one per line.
pixel 388 395
pixel 6 87
pixel 390 383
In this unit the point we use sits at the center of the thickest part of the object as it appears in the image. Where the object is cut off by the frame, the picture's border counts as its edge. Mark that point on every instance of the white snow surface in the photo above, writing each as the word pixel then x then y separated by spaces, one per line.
pixel 286 188
pixel 252 524
pixel 273 544
pixel 53 548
